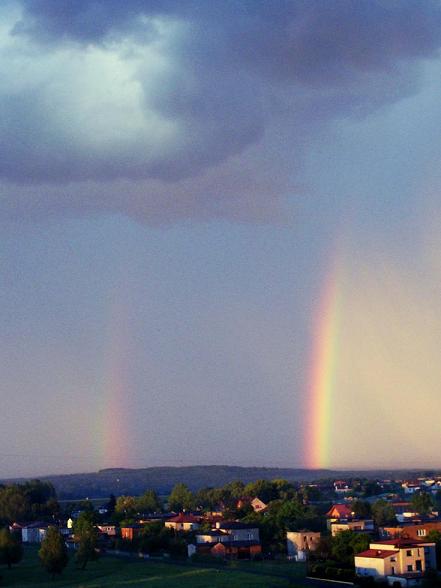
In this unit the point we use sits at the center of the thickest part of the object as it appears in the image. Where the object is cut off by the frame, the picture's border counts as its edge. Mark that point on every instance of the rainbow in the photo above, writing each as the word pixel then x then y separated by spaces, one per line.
pixel 321 388
pixel 113 430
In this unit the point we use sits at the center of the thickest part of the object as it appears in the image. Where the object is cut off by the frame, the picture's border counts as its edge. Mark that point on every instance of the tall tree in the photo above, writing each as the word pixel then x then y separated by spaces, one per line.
pixel 383 513
pixel 53 552
pixel 11 550
pixel 125 505
pixel 180 498
pixel 361 509
pixel 346 544
pixel 148 502
pixel 86 536
pixel 435 537
pixel 422 503
pixel 262 489
pixel 14 504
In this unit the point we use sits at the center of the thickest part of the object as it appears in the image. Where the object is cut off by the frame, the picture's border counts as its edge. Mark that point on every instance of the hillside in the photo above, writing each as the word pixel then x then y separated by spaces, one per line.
pixel 134 481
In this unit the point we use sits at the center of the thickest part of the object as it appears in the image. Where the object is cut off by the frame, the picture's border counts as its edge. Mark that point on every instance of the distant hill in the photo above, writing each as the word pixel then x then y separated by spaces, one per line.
pixel 162 479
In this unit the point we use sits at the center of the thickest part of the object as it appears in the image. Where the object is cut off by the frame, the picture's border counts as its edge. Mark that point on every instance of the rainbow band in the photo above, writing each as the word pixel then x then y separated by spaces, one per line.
pixel 323 374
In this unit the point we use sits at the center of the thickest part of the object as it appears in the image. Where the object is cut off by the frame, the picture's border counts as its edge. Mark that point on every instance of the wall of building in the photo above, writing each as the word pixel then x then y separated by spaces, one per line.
pixel 297 541
pixel 369 566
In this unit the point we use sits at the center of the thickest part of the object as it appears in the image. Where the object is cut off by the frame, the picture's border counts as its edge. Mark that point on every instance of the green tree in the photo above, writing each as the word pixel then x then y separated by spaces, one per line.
pixel 11 550
pixel 435 537
pixel 125 505
pixel 422 503
pixel 14 504
pixel 346 544
pixel 180 498
pixel 235 488
pixel 53 552
pixel 311 493
pixel 86 536
pixel 371 488
pixel 283 489
pixel 361 509
pixel 383 513
pixel 262 489
pixel 39 492
pixel 148 502
pixel 208 498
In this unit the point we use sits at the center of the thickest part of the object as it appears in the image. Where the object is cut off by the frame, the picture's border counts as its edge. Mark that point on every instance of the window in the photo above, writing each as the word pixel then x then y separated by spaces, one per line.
pixel 409 553
pixel 410 568
pixel 393 559
pixel 421 532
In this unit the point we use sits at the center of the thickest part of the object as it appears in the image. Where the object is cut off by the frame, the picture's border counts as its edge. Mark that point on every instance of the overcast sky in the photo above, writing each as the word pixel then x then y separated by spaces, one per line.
pixel 177 178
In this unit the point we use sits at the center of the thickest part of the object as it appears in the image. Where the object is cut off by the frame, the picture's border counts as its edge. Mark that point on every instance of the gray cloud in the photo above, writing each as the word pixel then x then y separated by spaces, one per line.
pixel 204 108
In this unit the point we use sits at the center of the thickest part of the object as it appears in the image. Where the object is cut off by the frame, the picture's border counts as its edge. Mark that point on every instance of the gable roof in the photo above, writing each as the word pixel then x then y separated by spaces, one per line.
pixel 341 510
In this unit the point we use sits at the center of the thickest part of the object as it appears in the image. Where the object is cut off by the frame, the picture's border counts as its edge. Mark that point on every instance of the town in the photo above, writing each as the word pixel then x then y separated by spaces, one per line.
pixel 357 530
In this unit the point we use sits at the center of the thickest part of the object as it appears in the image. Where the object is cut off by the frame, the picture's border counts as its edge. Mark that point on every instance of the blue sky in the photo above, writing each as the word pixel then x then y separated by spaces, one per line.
pixel 174 180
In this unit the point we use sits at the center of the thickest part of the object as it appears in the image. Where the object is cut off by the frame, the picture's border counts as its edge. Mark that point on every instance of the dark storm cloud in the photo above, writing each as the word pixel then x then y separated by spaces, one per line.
pixel 165 92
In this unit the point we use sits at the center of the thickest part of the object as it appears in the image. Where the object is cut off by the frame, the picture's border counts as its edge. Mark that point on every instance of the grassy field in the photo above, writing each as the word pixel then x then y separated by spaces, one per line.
pixel 122 573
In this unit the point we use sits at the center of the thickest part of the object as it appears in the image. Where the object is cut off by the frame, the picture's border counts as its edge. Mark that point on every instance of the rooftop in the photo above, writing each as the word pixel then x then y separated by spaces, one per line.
pixel 184 518
pixel 376 553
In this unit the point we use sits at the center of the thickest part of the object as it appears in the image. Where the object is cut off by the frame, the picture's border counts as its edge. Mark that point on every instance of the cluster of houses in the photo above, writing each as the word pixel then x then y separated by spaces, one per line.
pixel 226 539
pixel 399 553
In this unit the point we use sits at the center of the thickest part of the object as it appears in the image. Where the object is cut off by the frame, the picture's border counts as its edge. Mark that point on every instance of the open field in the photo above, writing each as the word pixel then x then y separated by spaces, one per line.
pixel 132 573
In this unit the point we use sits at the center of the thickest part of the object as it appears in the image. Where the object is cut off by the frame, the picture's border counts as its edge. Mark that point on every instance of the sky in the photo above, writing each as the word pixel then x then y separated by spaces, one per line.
pixel 182 184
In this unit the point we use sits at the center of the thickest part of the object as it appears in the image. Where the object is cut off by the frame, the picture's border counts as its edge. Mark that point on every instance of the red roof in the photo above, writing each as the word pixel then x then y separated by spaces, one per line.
pixel 376 553
pixel 342 510
pixel 184 518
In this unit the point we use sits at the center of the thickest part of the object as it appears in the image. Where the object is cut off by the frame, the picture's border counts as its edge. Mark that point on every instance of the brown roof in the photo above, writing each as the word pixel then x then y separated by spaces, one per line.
pixel 376 553
pixel 184 518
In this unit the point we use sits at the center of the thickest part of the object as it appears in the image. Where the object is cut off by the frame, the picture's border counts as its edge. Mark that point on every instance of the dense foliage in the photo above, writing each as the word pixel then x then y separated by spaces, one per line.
pixel 11 550
pixel 53 552
pixel 86 536
pixel 29 501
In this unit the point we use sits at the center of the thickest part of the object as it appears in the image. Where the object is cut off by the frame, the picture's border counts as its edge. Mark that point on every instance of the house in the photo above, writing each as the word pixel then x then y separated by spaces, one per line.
pixel 232 540
pixel 258 505
pixel 411 487
pixel 342 487
pixel 130 532
pixel 402 506
pixel 34 532
pixel 299 543
pixel 397 560
pixel 213 536
pixel 239 531
pixel 358 526
pixel 418 530
pixel 107 529
pixel 236 549
pixel 183 522
pixel 338 513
